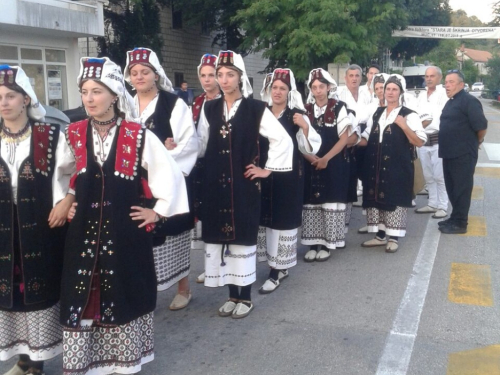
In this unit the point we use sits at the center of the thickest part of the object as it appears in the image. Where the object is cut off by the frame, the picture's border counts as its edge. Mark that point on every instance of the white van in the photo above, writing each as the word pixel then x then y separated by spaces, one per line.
pixel 415 78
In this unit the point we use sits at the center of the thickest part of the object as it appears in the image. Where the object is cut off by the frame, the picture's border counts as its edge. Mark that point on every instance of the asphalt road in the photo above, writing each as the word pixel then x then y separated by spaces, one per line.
pixel 431 308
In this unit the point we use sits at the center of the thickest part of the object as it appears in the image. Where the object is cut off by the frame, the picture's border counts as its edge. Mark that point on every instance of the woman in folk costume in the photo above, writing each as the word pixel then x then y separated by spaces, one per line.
pixel 391 136
pixel 377 87
pixel 327 175
pixel 170 119
pixel 283 193
pixel 35 169
pixel 109 285
pixel 206 75
pixel 228 132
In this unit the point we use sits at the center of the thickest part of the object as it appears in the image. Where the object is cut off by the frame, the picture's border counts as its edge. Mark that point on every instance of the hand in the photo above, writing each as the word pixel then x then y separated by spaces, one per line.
pixel 298 120
pixel 72 212
pixel 401 121
pixel 146 214
pixel 57 216
pixel 310 158
pixel 170 144
pixel 321 163
pixel 253 172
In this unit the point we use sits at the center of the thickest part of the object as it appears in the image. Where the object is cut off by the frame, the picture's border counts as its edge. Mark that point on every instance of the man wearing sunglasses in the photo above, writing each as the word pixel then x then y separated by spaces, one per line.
pixel 462 130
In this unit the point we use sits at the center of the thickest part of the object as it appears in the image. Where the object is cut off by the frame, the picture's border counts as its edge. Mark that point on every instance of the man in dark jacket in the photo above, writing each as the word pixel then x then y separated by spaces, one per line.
pixel 462 130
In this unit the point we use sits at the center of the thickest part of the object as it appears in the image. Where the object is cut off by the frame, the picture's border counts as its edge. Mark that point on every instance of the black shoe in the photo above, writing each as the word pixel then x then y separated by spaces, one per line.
pixel 453 229
pixel 444 222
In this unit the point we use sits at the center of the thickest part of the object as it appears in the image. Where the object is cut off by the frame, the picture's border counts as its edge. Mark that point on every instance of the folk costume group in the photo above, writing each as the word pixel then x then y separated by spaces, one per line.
pixel 123 196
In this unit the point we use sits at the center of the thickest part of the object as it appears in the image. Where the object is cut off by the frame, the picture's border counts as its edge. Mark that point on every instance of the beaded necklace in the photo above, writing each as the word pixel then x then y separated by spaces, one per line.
pixel 14 139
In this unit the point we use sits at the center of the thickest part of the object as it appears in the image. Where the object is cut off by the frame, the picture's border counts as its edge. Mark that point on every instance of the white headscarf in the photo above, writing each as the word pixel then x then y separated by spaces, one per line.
pixel 313 74
pixel 265 94
pixel 372 84
pixel 108 73
pixel 232 59
pixel 294 97
pixel 145 56
pixel 35 109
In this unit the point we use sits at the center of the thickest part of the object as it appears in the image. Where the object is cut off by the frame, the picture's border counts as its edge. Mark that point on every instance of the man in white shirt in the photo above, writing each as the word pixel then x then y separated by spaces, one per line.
pixel 430 105
pixel 372 70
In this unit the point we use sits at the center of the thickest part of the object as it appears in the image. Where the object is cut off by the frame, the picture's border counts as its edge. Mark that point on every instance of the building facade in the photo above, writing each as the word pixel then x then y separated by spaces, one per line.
pixel 42 37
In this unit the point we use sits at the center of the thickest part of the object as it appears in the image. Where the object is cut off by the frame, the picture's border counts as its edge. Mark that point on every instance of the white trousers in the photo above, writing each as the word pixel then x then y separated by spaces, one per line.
pixel 432 166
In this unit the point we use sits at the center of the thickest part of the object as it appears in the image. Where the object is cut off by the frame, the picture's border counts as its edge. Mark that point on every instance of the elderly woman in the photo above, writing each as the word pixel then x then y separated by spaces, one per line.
pixel 283 193
pixel 169 118
pixel 109 284
pixel 328 174
pixel 229 131
pixel 35 170
pixel 390 138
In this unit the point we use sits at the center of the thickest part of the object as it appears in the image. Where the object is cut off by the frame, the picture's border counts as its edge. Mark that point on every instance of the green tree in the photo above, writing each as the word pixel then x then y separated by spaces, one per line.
pixel 492 80
pixel 129 24
pixel 470 71
pixel 422 13
pixel 443 56
pixel 304 34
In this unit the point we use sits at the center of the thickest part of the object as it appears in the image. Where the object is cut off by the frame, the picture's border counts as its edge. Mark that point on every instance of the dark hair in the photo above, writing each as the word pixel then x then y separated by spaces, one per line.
pixel 376 66
pixel 322 80
pixel 15 87
pixel 183 82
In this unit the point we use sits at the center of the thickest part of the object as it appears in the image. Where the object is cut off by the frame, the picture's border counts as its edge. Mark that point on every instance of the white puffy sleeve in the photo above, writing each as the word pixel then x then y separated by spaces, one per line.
pixel 311 143
pixel 186 151
pixel 165 178
pixel 414 123
pixel 344 122
pixel 280 155
pixel 368 130
pixel 203 133
pixel 64 168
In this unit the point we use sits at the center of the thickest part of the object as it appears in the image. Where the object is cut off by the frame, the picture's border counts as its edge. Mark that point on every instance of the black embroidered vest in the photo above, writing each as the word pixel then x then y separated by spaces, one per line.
pixel 388 166
pixel 231 202
pixel 102 237
pixel 329 185
pixel 40 256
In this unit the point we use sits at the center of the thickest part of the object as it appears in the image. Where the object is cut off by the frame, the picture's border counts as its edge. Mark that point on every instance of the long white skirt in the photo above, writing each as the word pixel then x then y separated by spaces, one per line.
pixel 236 266
pixel 172 260
pixel 98 350
pixel 324 224
pixel 35 333
pixel 392 222
pixel 278 247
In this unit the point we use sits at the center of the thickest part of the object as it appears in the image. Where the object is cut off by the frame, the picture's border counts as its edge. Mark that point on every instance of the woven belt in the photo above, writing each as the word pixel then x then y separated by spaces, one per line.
pixel 432 139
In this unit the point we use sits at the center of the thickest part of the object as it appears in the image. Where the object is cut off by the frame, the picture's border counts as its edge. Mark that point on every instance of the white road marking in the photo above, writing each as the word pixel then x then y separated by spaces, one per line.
pixel 492 150
pixel 488 165
pixel 399 343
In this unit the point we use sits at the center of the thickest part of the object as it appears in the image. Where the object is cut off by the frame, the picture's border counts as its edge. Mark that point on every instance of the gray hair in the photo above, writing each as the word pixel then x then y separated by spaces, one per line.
pixel 438 69
pixel 354 67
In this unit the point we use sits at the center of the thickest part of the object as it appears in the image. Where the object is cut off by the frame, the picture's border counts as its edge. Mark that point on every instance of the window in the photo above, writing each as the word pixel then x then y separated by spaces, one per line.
pixel 46 70
pixel 8 53
pixel 31 54
pixel 176 18
pixel 178 78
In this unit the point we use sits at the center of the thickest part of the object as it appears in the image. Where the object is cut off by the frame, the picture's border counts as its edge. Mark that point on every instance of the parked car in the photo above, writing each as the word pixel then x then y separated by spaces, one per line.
pixel 478 86
pixel 466 87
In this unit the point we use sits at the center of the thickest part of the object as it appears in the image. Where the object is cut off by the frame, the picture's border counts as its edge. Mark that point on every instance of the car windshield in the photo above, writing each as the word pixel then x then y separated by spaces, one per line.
pixel 478 84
